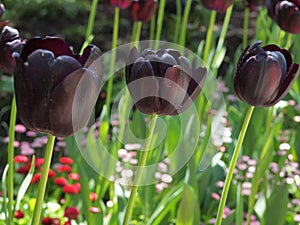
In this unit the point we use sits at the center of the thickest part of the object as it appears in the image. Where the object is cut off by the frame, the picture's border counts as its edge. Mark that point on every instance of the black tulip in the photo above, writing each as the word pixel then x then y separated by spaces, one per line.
pixel 162 82
pixel 55 89
pixel 264 75
pixel 286 14
pixel 218 5
pixel 10 42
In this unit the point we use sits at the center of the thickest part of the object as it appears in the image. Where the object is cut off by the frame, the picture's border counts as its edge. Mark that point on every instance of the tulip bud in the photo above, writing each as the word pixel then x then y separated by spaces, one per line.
pixel 162 82
pixel 286 14
pixel 2 10
pixel 143 10
pixel 122 4
pixel 253 5
pixel 218 5
pixel 10 42
pixel 264 75
pixel 55 89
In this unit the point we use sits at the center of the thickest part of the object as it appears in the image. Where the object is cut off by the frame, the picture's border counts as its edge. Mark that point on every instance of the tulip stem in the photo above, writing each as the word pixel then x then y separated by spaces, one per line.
pixel 139 173
pixel 246 26
pixel 112 60
pixel 43 181
pixel 233 164
pixel 224 28
pixel 10 159
pixel 209 35
pixel 178 21
pixel 137 32
pixel 185 18
pixel 90 26
pixel 160 19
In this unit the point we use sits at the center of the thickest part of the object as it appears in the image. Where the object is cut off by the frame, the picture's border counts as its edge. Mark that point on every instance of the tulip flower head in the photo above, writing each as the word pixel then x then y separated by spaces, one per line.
pixel 56 90
pixel 286 14
pixel 10 42
pixel 264 75
pixel 143 10
pixel 253 5
pixel 122 4
pixel 162 82
pixel 218 5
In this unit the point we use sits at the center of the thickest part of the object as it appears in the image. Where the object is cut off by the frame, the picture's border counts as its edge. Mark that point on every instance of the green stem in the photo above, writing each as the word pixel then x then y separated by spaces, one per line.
pixel 233 164
pixel 137 32
pixel 246 27
pixel 10 159
pixel 209 35
pixel 225 27
pixel 43 182
pixel 139 173
pixel 184 22
pixel 152 28
pixel 90 26
pixel 288 41
pixel 160 19
pixel 112 60
pixel 178 21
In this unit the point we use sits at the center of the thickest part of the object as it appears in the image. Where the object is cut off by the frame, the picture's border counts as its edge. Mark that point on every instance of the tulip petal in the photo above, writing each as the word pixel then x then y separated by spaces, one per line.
pixel 52 44
pixel 173 89
pixel 258 81
pixel 287 83
pixel 72 102
pixel 144 89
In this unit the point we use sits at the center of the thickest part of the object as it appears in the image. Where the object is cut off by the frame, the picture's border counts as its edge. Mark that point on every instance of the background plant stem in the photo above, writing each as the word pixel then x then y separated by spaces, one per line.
pixel 225 27
pixel 90 26
pixel 233 164
pixel 160 19
pixel 246 26
pixel 43 181
pixel 113 59
pixel 185 18
pixel 10 159
pixel 139 173
pixel 209 35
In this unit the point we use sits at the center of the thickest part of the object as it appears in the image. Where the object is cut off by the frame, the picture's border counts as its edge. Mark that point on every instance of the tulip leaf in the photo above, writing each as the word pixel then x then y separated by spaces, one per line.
pixel 3 184
pixel 277 206
pixel 188 210
pixel 25 184
pixel 167 203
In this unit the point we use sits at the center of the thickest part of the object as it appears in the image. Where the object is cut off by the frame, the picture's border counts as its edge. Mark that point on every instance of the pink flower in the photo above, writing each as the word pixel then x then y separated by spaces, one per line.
pixel 71 213
pixel 66 160
pixel 60 181
pixel 74 176
pixel 20 159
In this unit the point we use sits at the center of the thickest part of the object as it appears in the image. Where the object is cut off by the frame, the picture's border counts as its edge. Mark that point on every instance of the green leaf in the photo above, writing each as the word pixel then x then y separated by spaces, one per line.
pixel 25 184
pixel 4 190
pixel 188 210
pixel 277 206
pixel 168 202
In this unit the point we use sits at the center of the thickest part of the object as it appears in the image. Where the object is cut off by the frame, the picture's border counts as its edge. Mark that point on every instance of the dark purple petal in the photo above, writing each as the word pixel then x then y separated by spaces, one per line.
pixel 287 83
pixel 258 80
pixel 71 104
pixel 217 5
pixel 55 45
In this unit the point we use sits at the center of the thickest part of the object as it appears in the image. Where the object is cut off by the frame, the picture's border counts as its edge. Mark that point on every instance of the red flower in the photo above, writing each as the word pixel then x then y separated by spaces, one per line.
pixel 66 160
pixel 72 188
pixel 23 169
pixel 74 176
pixel 122 4
pixel 36 178
pixel 64 168
pixel 60 181
pixel 19 214
pixel 94 209
pixel 68 222
pixel 20 159
pixel 71 213
pixel 39 162
pixel 51 173
pixel 143 10
pixel 93 196
pixel 47 221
